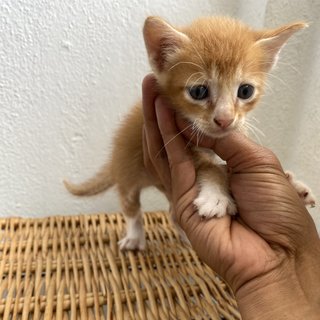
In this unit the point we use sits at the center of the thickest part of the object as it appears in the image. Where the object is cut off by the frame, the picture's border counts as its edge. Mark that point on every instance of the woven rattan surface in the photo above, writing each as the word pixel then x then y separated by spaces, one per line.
pixel 71 268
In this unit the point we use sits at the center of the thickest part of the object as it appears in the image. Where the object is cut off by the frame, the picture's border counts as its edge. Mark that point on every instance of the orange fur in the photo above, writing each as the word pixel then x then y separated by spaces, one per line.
pixel 220 53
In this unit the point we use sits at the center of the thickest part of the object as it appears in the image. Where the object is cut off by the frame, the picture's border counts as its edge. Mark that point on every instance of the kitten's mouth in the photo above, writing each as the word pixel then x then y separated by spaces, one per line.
pixel 219 132
pixel 197 131
pixel 215 131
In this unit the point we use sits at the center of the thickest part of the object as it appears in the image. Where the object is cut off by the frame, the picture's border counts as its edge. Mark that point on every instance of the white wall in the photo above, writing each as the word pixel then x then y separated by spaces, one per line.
pixel 71 69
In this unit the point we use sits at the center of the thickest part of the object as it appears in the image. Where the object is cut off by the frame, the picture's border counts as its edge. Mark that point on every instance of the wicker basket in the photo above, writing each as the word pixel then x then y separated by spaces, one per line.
pixel 71 268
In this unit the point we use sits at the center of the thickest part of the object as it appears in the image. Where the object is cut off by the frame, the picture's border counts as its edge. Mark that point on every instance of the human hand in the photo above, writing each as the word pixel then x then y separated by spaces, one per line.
pixel 271 245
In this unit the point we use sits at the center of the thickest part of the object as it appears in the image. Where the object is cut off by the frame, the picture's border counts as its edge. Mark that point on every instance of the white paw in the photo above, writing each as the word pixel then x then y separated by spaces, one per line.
pixel 129 243
pixel 213 202
pixel 302 189
pixel 135 238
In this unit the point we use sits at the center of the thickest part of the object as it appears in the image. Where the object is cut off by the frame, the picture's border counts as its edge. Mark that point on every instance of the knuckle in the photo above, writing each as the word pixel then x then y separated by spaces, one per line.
pixel 148 80
pixel 264 156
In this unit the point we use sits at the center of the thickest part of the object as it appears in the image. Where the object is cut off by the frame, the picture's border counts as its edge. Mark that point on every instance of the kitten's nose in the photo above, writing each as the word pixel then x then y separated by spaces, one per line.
pixel 223 122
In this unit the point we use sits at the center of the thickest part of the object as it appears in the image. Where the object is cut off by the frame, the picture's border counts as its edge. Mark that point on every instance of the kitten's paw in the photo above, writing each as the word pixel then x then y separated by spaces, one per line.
pixel 132 243
pixel 212 202
pixel 302 189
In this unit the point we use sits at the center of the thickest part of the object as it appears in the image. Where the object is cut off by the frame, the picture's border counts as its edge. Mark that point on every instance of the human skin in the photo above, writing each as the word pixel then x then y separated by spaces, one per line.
pixel 270 252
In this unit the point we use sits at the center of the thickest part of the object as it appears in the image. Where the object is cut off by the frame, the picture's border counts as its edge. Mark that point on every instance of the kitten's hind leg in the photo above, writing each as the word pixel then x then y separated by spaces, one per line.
pixel 302 189
pixel 135 236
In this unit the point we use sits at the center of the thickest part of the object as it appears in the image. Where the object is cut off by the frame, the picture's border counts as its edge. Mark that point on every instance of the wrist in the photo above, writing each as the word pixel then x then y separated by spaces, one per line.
pixel 276 295
pixel 307 266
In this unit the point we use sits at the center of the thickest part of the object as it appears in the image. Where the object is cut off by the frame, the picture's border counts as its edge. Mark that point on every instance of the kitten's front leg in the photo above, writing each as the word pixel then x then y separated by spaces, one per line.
pixel 302 189
pixel 214 199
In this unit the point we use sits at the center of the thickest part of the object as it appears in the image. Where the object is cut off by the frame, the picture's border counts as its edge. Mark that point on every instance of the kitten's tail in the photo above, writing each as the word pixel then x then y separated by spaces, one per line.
pixel 100 182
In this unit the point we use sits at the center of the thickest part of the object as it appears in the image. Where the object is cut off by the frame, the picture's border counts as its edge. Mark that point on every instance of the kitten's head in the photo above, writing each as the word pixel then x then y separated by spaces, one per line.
pixel 214 70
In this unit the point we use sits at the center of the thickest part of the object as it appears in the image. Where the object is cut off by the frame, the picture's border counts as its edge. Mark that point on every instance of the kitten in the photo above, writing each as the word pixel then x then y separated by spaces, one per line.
pixel 213 72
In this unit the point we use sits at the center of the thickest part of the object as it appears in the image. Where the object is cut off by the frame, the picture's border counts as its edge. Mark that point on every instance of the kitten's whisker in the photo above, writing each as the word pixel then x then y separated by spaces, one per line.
pixel 195 82
pixel 272 75
pixel 253 118
pixel 290 65
pixel 198 79
pixel 279 62
pixel 251 64
pixel 198 137
pixel 268 87
pixel 282 82
pixel 196 131
pixel 255 128
pixel 198 54
pixel 186 62
pixel 191 138
pixel 199 133
pixel 255 135
pixel 187 82
pixel 180 132
pixel 257 138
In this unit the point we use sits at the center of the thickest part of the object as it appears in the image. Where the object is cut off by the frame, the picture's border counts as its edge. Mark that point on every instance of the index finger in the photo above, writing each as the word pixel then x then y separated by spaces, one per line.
pixel 173 139
pixel 153 137
pixel 149 94
pixel 182 169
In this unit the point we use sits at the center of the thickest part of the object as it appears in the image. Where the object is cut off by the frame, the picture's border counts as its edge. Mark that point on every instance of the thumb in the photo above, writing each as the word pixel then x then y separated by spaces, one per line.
pixel 235 148
pixel 241 153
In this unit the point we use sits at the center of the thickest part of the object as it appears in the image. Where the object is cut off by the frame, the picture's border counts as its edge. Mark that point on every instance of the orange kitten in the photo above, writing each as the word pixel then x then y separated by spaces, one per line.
pixel 213 72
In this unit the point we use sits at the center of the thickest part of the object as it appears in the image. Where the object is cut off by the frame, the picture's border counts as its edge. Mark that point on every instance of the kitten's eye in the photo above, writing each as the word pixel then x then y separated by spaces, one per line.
pixel 199 92
pixel 245 91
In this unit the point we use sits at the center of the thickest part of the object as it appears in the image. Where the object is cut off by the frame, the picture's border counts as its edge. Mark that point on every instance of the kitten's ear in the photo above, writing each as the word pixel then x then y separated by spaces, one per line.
pixel 272 41
pixel 161 40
